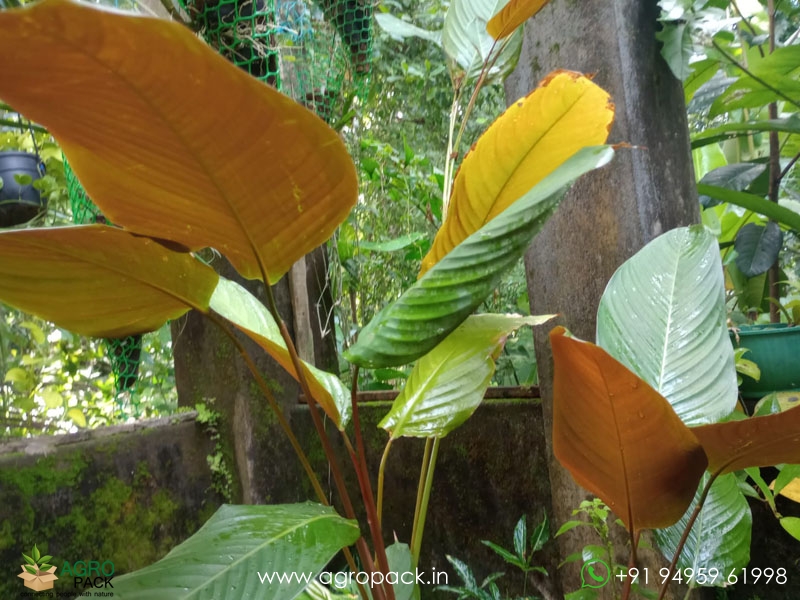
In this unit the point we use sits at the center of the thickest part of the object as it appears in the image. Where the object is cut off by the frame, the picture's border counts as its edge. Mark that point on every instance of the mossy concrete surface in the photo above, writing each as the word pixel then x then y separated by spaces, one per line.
pixel 124 494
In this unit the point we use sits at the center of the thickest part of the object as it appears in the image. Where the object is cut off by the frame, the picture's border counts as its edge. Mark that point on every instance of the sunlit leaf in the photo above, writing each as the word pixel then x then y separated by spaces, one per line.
pixel 620 439
pixel 76 416
pixel 108 282
pixel 52 398
pixel 467 43
pixel 400 29
pixel 447 384
pixel 663 316
pixel 792 526
pixel 753 442
pixel 530 140
pixel 512 15
pixel 172 141
pixel 447 294
pixel 242 309
pixel 239 546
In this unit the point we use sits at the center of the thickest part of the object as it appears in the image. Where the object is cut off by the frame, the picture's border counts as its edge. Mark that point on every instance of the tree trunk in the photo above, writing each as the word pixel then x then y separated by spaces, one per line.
pixel 609 214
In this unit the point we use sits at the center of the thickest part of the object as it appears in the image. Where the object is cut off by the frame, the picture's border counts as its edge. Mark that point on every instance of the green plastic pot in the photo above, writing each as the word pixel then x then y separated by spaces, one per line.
pixel 775 348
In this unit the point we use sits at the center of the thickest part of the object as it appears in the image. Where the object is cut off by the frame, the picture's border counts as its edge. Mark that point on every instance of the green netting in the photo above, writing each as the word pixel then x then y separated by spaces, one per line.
pixel 317 52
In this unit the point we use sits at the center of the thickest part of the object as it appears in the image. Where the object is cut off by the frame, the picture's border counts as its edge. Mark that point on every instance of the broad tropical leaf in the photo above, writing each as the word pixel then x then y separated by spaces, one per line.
pixel 468 44
pixel 512 15
pixel 238 546
pixel 242 309
pixel 720 537
pixel 100 281
pixel 440 301
pixel 172 141
pixel 728 130
pixel 736 176
pixel 530 140
pixel 757 247
pixel 620 438
pixel 663 316
pixel 753 442
pixel 447 384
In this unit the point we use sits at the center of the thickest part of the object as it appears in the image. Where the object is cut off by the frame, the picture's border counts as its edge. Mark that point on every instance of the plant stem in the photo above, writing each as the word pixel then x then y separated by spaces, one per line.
pixel 449 159
pixel 381 474
pixel 341 488
pixel 685 536
pixel 423 470
pixel 419 524
pixel 626 588
pixel 774 177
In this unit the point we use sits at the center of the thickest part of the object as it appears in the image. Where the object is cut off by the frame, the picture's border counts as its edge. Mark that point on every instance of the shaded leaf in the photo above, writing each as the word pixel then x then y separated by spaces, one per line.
pixel 619 438
pixel 757 248
pixel 720 537
pixel 753 442
pixel 467 43
pixel 541 534
pixel 190 149
pixel 109 283
pixel 447 384
pixel 736 176
pixel 663 316
pixel 722 132
pixel 392 245
pixel 520 537
pixel 239 545
pixel 438 302
pixel 526 143
pixel 400 561
pixel 243 310
pixel 512 15
pixel 677 48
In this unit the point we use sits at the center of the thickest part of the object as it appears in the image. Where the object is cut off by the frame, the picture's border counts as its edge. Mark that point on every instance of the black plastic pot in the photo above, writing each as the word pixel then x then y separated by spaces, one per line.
pixel 19 203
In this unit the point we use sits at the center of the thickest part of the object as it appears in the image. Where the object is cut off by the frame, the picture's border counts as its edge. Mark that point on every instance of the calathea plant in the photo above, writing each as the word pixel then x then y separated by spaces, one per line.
pixel 140 117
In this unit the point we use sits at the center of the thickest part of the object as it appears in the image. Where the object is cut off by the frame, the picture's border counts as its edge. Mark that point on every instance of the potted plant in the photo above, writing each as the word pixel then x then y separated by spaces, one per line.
pixel 20 201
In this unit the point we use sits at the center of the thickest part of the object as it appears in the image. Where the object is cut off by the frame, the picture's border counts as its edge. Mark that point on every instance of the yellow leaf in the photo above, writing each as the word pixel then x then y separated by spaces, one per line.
pixel 513 14
pixel 791 490
pixel 77 417
pixel 172 141
pixel 535 135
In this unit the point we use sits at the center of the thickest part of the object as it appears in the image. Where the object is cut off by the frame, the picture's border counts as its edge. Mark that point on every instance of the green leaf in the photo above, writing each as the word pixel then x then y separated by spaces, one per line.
pixel 540 535
pixel 23 179
pixel 677 48
pixel 31 570
pixel 36 554
pixel 467 43
pixel 706 159
pixel 728 130
pixel 400 561
pixel 787 474
pixel 236 547
pixel 456 285
pixel 736 176
pixel 45 559
pixel 757 248
pixel 504 554
pixel 400 30
pixel 392 245
pixel 447 384
pixel 663 316
pixel 520 537
pixel 792 526
pixel 76 416
pixel 569 525
pixel 28 559
pixel 36 332
pixel 52 398
pixel 702 71
pixel 720 537
pixel 45 567
pixel 246 313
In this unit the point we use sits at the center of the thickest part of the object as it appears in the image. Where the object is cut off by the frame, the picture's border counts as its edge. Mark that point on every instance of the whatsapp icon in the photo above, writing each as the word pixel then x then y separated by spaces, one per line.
pixel 595 573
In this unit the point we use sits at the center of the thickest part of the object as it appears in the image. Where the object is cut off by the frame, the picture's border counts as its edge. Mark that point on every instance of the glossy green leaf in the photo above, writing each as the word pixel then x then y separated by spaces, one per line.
pixel 757 204
pixel 736 176
pixel 243 310
pixel 728 130
pixel 720 537
pixel 455 286
pixel 663 316
pixel 619 438
pixel 237 547
pixel 447 384
pixel 467 43
pixel 108 282
pixel 792 526
pixel 757 248
pixel 173 141
pixel 677 47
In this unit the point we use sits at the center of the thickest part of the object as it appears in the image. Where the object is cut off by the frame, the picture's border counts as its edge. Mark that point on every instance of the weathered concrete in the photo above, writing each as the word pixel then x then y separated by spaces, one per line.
pixel 126 494
pixel 612 213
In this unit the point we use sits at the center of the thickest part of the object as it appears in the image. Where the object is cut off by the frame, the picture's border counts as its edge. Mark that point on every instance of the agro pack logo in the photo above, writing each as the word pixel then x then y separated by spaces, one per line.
pixel 37 574
pixel 89 573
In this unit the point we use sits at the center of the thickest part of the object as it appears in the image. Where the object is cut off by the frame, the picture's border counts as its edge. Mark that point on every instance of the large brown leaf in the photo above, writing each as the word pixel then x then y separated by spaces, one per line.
pixel 620 439
pixel 100 281
pixel 753 442
pixel 173 141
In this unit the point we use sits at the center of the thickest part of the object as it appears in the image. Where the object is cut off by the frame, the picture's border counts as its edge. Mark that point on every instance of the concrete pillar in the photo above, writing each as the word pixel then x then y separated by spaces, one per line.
pixel 612 213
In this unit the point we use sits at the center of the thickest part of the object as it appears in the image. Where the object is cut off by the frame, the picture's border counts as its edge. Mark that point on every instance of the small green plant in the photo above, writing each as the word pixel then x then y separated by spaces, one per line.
pixel 487 590
pixel 36 562
pixel 221 476
pixel 524 548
